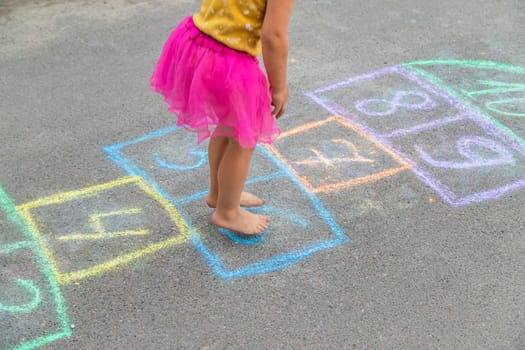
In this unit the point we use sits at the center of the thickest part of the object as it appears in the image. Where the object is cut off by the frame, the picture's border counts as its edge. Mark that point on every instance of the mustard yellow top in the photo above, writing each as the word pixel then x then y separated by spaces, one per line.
pixel 235 23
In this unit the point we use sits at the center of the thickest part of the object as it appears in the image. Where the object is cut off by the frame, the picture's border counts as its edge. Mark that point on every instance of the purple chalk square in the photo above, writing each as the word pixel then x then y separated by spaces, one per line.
pixel 464 161
pixel 386 101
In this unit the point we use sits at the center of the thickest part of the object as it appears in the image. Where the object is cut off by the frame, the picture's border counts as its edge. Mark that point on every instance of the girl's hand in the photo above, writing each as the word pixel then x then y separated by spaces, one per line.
pixel 279 99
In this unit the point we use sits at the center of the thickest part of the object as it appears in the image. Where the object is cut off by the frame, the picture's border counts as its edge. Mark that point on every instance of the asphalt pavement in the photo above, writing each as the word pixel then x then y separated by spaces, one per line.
pixel 396 189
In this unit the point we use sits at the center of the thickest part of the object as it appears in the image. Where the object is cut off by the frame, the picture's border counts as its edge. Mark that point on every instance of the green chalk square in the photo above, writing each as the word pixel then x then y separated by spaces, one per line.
pixel 26 302
pixel 29 292
pixel 494 90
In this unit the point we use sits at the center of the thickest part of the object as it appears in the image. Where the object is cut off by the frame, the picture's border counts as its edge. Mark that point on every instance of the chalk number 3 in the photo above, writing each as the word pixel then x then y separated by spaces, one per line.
pixel 32 290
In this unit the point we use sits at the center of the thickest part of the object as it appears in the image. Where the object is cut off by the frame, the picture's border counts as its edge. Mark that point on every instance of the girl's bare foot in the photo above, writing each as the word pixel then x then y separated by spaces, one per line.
pixel 247 200
pixel 241 221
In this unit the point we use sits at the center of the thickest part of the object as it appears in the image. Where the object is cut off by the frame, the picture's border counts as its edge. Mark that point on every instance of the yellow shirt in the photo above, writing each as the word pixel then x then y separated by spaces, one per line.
pixel 235 23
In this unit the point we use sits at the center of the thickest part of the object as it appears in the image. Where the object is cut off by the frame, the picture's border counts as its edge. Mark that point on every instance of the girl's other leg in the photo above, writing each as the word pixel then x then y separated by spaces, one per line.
pixel 231 175
pixel 216 148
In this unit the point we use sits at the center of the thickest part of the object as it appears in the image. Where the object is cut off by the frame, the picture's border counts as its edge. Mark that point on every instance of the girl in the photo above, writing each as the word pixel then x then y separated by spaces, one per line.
pixel 209 75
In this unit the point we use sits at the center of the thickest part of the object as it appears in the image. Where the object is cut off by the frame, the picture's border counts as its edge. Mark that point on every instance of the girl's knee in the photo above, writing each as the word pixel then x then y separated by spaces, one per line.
pixel 237 146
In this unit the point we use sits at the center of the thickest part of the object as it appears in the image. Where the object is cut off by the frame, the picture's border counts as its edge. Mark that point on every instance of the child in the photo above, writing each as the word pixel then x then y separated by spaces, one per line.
pixel 209 75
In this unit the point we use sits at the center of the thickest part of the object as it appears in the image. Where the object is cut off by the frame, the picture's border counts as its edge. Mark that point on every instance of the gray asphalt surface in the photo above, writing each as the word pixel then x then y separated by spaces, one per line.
pixel 390 230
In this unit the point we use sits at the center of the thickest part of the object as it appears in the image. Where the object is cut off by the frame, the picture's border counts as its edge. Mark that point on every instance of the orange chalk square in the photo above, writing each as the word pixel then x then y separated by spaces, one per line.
pixel 334 154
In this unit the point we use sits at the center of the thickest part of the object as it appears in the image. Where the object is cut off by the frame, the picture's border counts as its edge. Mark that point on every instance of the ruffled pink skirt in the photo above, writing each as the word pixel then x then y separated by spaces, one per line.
pixel 214 90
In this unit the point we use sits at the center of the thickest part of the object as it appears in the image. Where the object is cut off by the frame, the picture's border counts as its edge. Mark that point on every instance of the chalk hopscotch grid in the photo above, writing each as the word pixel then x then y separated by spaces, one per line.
pixel 215 262
pixel 9 208
pixel 426 177
pixel 490 125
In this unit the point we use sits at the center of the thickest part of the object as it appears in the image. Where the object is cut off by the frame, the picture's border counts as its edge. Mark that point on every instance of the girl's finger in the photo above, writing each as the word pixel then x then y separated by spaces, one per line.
pixel 281 112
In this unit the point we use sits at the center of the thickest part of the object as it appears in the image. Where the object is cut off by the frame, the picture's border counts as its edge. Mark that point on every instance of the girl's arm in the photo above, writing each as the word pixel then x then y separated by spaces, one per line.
pixel 274 39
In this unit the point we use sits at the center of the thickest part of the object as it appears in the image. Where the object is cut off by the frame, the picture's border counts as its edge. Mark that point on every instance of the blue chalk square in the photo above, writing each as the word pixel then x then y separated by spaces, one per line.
pixel 299 227
pixel 174 165
pixel 172 162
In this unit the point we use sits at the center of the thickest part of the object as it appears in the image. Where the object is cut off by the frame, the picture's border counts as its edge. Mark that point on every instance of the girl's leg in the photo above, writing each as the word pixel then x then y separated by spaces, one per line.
pixel 216 148
pixel 231 175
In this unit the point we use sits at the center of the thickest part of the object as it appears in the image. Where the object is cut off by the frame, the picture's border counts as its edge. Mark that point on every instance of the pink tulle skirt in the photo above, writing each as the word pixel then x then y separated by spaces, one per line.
pixel 214 90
